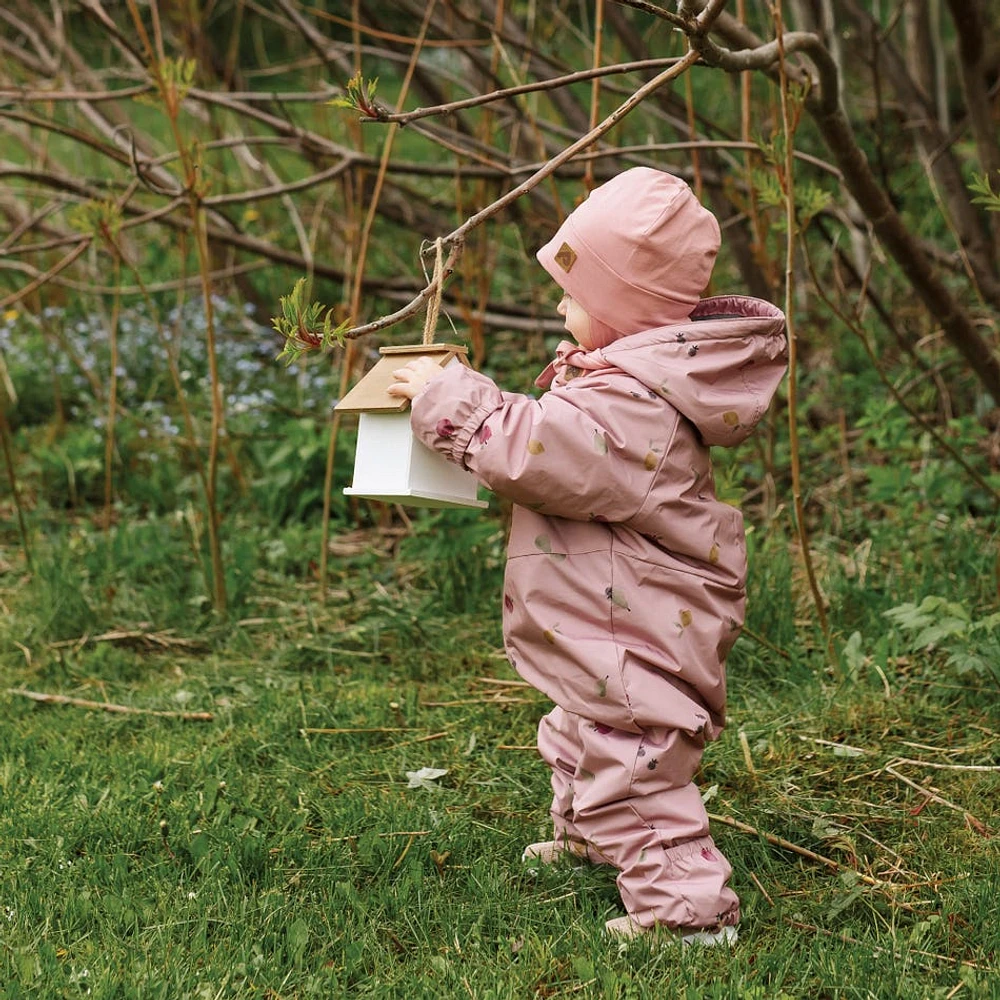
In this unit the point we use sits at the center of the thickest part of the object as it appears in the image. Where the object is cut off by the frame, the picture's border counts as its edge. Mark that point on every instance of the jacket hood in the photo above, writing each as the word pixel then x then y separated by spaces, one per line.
pixel 719 369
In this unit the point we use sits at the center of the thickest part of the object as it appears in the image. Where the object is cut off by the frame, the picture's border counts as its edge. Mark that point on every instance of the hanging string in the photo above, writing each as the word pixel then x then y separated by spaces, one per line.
pixel 434 301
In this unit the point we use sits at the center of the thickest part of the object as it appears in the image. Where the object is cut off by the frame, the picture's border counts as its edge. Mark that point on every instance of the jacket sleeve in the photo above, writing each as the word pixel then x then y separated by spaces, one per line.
pixel 582 452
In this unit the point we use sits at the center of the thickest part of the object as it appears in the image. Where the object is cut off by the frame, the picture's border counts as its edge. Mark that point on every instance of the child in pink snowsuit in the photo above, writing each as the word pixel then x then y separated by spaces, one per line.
pixel 625 580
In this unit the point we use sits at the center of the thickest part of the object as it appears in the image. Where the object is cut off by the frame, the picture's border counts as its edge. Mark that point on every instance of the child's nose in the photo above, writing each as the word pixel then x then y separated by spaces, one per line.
pixel 563 305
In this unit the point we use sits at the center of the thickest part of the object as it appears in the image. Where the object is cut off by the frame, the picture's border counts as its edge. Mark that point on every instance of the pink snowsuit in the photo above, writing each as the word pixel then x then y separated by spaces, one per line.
pixel 624 589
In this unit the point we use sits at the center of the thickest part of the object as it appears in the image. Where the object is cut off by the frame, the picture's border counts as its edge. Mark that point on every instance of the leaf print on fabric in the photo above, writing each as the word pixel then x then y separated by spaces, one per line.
pixel 549 635
pixel 600 443
pixel 685 619
pixel 483 434
pixel 535 447
pixel 508 602
pixel 616 596
pixel 731 418
pixel 445 429
pixel 651 461
pixel 602 687
pixel 713 554
pixel 544 544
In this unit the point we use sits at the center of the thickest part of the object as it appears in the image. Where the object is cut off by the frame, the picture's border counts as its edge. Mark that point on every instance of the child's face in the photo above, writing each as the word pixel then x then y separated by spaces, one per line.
pixel 577 321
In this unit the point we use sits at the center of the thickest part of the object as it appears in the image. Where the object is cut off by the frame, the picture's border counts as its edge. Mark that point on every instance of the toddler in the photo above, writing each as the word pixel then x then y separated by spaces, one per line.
pixel 625 581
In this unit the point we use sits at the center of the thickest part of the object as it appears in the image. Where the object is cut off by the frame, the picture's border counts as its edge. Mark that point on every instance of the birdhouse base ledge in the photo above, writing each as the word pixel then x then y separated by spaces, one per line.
pixel 423 498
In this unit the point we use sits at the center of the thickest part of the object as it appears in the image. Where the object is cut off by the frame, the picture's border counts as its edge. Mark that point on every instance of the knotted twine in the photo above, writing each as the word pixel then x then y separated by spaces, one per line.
pixel 434 299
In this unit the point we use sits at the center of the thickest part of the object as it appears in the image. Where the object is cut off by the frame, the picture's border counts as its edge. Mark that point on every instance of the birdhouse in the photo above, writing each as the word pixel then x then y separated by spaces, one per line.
pixel 391 464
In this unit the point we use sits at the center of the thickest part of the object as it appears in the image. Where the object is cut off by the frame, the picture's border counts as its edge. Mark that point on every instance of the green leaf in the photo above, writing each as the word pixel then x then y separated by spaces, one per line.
pixel 298 939
pixel 985 195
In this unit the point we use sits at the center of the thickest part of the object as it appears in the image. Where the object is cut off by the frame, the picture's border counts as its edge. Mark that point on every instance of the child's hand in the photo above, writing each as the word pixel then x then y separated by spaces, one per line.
pixel 413 376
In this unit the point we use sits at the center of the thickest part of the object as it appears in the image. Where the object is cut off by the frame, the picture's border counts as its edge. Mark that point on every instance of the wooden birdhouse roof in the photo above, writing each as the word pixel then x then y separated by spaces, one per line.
pixel 369 395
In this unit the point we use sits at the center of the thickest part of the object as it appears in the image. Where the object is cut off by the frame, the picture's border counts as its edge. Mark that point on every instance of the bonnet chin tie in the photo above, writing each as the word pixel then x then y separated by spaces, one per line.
pixel 568 356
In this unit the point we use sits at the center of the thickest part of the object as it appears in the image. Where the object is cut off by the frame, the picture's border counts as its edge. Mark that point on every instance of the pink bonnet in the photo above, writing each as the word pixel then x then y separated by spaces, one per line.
pixel 637 254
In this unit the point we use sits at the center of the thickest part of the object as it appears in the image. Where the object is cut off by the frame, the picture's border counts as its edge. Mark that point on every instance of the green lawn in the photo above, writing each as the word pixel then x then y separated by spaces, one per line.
pixel 278 851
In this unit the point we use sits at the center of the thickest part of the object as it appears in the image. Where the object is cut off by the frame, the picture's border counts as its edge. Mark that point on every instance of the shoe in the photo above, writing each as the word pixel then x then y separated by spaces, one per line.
pixel 548 852
pixel 625 928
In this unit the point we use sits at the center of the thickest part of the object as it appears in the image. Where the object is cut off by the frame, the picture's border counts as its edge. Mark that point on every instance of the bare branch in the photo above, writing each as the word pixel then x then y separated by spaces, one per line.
pixel 455 239
pixel 15 297
pixel 681 23
pixel 404 118
pixel 56 96
pixel 276 190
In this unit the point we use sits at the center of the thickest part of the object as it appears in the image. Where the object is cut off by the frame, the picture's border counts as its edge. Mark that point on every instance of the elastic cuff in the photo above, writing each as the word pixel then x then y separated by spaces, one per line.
pixel 697 846
pixel 460 442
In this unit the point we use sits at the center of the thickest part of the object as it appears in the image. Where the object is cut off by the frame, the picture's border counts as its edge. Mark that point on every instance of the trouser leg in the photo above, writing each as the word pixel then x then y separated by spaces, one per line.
pixel 559 747
pixel 636 805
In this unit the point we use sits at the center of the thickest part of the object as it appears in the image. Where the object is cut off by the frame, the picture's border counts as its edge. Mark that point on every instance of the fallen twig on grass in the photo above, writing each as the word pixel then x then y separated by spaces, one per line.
pixel 767 644
pixel 419 739
pixel 496 699
pixel 399 833
pixel 845 749
pixel 795 848
pixel 162 640
pixel 978 825
pixel 847 939
pixel 361 729
pixel 948 767
pixel 105 706
pixel 813 856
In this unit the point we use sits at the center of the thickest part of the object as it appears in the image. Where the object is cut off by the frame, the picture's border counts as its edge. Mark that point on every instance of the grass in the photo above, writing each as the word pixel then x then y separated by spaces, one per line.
pixel 278 852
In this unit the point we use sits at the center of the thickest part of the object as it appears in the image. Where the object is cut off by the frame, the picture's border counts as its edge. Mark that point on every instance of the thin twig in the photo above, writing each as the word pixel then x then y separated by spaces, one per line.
pixel 796 849
pixel 791 231
pixel 404 118
pixel 455 239
pixel 397 833
pixel 976 824
pixel 362 729
pixel 765 642
pixel 14 297
pixel 948 767
pixel 847 939
pixel 104 706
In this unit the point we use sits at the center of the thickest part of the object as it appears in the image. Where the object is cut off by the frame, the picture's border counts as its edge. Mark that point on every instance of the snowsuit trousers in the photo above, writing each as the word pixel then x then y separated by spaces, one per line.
pixel 630 798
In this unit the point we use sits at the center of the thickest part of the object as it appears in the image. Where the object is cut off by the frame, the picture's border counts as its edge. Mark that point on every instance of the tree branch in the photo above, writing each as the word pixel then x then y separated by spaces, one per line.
pixel 455 239
pixel 405 117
